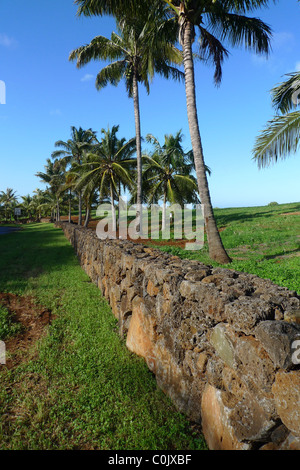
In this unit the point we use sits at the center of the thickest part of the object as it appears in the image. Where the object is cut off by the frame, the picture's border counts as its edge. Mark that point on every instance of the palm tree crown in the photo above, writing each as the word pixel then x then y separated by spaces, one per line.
pixel 108 164
pixel 107 167
pixel 168 171
pixel 73 150
pixel 281 137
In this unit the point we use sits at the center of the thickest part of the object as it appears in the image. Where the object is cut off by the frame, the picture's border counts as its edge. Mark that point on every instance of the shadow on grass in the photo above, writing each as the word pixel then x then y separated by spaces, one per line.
pixel 31 251
pixel 282 253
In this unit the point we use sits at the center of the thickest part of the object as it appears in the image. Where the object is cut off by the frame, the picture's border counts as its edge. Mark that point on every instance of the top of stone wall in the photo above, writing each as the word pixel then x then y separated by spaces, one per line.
pixel 240 299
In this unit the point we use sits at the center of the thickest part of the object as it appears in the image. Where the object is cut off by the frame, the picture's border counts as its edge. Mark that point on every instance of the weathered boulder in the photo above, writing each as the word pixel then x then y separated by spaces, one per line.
pixel 277 338
pixel 286 390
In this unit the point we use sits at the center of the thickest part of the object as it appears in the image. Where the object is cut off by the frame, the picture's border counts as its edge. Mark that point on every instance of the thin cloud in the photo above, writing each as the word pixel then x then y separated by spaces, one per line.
pixel 283 39
pixel 87 78
pixel 281 43
pixel 297 66
pixel 7 41
pixel 56 112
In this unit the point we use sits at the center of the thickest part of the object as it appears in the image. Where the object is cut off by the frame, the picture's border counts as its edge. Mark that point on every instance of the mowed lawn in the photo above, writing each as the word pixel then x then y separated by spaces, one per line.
pixel 264 241
pixel 76 386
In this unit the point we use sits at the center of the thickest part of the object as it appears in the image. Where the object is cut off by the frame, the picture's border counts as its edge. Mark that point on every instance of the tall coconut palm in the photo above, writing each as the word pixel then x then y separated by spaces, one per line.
pixel 106 166
pixel 281 137
pixel 73 150
pixel 136 53
pixel 217 21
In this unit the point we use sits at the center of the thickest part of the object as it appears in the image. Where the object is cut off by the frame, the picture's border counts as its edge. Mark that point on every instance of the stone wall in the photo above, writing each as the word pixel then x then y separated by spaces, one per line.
pixel 220 342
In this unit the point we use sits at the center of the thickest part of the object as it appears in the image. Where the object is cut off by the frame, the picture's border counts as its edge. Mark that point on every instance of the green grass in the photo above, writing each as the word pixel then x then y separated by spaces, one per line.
pixel 260 240
pixel 8 327
pixel 79 388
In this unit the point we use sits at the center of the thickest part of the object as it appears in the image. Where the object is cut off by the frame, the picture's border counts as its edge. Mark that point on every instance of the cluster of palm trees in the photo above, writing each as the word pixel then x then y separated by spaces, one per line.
pixel 88 170
pixel 30 207
pixel 158 37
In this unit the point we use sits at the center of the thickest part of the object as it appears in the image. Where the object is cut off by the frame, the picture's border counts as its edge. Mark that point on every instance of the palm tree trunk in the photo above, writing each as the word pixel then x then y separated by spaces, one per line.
pixel 79 208
pixel 113 210
pixel 137 119
pixel 88 214
pixel 70 195
pixel 163 227
pixel 216 249
pixel 57 211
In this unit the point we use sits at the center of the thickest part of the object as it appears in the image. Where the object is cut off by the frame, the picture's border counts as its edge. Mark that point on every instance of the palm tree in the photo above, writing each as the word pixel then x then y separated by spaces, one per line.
pixel 70 184
pixel 282 135
pixel 9 199
pixel 27 205
pixel 54 175
pixel 168 173
pixel 73 150
pixel 136 54
pixel 217 21
pixel 106 166
pixel 37 200
pixel 51 203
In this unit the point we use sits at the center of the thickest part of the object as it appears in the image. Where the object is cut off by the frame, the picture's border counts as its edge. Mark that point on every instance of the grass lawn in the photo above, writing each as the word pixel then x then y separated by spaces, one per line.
pixel 77 386
pixel 260 240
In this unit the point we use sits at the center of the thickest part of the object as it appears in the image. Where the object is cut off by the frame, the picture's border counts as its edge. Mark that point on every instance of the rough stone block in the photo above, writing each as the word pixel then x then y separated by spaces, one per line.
pixel 246 312
pixel 277 338
pixel 141 334
pixel 218 432
pixel 256 366
pixel 222 342
pixel 286 390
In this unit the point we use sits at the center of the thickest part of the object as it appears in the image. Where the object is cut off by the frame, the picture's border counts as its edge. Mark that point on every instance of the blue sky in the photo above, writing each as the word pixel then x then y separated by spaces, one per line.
pixel 46 95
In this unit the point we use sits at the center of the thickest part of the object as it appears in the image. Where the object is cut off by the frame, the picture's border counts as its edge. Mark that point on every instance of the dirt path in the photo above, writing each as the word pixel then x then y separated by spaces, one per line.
pixel 33 318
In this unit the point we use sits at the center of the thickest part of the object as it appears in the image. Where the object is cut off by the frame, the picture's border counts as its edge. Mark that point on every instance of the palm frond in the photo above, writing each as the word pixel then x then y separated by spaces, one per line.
pixel 111 74
pixel 211 49
pixel 278 140
pixel 285 96
pixel 239 30
pixel 244 6
pixel 103 7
